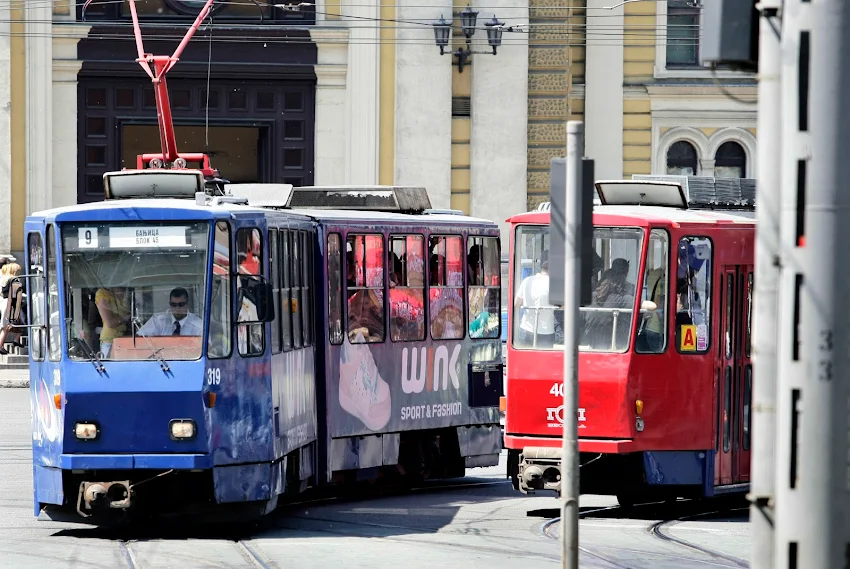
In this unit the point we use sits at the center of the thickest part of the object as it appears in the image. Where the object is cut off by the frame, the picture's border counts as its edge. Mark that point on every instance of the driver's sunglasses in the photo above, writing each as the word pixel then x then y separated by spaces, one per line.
pixel 180 304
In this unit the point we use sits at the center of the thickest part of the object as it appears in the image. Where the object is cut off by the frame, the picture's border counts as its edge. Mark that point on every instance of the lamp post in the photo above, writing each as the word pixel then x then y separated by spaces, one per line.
pixel 468 20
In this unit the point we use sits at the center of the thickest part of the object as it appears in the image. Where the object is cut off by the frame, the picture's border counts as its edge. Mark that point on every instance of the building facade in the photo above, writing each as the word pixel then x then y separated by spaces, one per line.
pixel 357 92
pixel 630 71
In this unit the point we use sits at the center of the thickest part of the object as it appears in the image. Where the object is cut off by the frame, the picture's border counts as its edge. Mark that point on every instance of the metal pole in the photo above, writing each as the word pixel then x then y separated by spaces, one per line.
pixel 765 296
pixel 572 283
pixel 812 417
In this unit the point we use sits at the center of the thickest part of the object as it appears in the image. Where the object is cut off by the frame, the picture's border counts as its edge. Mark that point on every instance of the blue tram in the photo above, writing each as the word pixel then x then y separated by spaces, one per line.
pixel 209 353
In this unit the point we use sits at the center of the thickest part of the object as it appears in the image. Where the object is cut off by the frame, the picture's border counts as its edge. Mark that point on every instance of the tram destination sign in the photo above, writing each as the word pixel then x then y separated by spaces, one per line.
pixel 146 237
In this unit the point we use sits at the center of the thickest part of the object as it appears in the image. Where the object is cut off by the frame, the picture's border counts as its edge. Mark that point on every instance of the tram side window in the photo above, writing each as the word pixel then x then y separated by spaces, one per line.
pixel 693 294
pixel 295 283
pixel 446 287
pixel 364 263
pixel 286 307
pixel 249 251
pixel 52 289
pixel 484 281
pixel 274 272
pixel 306 289
pixel 221 331
pixel 36 296
pixel 652 327
pixel 334 289
pixel 407 288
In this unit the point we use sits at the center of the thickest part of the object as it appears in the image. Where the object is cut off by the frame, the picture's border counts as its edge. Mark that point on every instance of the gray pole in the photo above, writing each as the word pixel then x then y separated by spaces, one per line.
pixel 812 413
pixel 572 283
pixel 765 296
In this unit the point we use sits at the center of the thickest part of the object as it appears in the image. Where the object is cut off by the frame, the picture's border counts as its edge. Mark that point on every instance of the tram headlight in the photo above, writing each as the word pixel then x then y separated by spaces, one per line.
pixel 86 431
pixel 182 429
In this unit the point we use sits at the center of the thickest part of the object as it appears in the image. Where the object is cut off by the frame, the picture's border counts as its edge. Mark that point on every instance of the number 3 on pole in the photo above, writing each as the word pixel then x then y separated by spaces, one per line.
pixel 213 376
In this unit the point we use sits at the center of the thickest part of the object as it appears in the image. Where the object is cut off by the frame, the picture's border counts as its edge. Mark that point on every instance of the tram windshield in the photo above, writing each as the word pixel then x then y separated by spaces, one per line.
pixel 606 322
pixel 135 290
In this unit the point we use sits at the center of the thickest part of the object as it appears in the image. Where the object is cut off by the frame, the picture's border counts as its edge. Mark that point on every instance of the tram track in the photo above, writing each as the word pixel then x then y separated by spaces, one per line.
pixel 657 531
pixel 133 554
pixel 251 555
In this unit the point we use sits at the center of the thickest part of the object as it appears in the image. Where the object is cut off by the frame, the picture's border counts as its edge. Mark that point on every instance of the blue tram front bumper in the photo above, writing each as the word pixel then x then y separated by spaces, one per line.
pixel 135 461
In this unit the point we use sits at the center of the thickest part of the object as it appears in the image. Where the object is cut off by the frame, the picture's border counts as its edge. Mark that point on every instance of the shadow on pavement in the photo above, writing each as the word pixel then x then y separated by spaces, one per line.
pixel 366 512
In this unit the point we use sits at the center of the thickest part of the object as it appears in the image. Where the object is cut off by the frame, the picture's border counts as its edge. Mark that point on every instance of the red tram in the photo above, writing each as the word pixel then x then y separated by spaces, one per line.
pixel 665 378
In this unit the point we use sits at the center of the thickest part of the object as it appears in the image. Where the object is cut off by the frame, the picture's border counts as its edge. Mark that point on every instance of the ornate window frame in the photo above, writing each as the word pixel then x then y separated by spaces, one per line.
pixel 706 146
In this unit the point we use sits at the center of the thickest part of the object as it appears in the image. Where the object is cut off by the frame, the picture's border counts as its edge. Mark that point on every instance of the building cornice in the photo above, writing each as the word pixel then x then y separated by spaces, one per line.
pixel 678 91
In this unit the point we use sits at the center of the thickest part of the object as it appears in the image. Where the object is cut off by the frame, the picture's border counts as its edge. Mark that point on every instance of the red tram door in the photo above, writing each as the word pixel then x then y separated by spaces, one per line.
pixel 735 376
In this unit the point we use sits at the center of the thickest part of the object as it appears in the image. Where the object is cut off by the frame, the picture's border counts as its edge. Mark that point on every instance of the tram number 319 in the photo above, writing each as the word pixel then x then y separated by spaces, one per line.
pixel 213 376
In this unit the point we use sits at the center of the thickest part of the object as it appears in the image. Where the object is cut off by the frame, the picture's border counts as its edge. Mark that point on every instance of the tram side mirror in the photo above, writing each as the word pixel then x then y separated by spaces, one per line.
pixel 648 306
pixel 255 301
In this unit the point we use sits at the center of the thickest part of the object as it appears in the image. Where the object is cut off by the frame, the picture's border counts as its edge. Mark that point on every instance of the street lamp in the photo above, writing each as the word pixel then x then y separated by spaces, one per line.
pixel 468 20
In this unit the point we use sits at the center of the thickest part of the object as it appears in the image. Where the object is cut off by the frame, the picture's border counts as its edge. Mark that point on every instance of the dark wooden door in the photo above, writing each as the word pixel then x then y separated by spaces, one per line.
pixel 283 111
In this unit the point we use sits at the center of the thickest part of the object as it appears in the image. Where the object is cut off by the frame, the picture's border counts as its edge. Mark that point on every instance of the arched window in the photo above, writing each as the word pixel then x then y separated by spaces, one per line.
pixel 682 159
pixel 730 161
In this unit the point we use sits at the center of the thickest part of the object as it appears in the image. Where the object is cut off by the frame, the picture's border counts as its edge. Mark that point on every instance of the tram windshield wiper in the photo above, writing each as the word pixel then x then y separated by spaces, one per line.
pixel 92 355
pixel 136 325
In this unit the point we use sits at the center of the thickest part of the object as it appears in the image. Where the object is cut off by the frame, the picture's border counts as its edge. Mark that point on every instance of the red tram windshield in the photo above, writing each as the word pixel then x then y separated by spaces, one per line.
pixel 606 323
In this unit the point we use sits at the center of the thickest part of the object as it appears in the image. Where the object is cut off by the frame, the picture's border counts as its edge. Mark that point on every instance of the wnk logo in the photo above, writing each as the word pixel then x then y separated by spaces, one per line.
pixel 429 369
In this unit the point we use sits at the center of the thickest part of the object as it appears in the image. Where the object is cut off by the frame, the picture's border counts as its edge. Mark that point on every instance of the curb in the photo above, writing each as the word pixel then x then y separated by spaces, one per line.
pixel 14 383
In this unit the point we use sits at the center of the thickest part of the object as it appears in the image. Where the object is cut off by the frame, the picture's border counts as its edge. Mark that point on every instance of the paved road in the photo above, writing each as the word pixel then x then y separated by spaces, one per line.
pixel 479 522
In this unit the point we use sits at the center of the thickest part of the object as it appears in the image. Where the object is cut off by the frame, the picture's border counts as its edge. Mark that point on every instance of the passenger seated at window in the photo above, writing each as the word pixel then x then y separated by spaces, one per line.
pixel 683 315
pixel 176 321
pixel 365 309
pixel 614 291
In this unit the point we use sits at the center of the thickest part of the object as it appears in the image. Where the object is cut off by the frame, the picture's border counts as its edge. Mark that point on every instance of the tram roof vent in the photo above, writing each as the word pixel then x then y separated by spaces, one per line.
pixel 706 192
pixel 642 192
pixel 153 184
pixel 442 212
pixel 261 195
pixel 398 199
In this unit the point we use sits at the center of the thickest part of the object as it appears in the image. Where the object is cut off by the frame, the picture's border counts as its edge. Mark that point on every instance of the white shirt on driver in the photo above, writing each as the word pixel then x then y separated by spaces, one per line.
pixel 162 324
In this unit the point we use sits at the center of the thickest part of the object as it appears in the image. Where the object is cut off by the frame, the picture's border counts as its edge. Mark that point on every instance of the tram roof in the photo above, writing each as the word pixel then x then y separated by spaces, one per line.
pixel 183 208
pixel 649 215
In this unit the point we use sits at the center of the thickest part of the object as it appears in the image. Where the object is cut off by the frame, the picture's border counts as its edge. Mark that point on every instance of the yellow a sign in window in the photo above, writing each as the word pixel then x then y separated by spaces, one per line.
pixel 687 338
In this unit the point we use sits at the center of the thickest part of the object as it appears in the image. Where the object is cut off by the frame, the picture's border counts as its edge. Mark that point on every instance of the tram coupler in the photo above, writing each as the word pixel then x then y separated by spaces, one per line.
pixel 103 496
pixel 540 469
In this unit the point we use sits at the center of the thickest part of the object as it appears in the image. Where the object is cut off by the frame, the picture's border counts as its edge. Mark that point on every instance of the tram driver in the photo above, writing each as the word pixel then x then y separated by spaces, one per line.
pixel 176 321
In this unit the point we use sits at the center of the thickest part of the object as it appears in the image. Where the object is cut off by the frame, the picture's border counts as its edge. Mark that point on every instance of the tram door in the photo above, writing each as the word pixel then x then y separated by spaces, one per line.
pixel 735 383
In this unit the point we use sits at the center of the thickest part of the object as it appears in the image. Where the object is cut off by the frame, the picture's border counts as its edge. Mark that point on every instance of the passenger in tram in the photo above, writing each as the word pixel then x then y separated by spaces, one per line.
pixel 683 315
pixel 538 318
pixel 176 321
pixel 651 337
pixel 251 264
pixel 365 309
pixel 115 314
pixel 479 315
pixel 614 291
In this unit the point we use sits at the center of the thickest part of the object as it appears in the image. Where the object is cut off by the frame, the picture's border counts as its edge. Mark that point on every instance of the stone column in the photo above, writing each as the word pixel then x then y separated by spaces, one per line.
pixel 361 101
pixel 603 101
pixel 423 102
pixel 5 129
pixel 39 69
pixel 66 67
pixel 706 167
pixel 499 137
pixel 330 134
